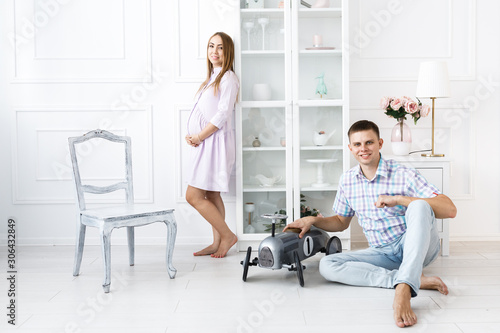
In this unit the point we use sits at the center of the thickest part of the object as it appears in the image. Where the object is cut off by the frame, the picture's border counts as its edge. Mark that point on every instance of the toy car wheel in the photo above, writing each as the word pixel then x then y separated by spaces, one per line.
pixel 300 272
pixel 333 246
pixel 246 263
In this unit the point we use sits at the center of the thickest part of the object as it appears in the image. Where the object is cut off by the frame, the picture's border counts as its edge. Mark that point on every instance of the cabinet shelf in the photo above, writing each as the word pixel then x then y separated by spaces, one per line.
pixel 269 12
pixel 256 188
pixel 321 148
pixel 320 102
pixel 332 187
pixel 263 104
pixel 264 53
pixel 320 12
pixel 263 148
pixel 324 53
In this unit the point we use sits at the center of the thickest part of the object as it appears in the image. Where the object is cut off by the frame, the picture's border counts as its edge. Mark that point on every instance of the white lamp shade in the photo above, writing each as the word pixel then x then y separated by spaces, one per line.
pixel 433 80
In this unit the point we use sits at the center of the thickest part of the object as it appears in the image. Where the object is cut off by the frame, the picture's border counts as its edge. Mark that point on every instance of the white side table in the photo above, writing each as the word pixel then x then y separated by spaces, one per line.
pixel 437 171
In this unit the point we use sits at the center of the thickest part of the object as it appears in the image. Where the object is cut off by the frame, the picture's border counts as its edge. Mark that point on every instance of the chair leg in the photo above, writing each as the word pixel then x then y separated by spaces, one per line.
pixel 105 233
pixel 80 241
pixel 131 242
pixel 171 234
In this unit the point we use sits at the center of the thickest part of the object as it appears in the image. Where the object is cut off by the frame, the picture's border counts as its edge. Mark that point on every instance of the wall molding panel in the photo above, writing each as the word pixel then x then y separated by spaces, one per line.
pixel 47 171
pixel 391 45
pixel 182 112
pixel 41 167
pixel 447 32
pixel 82 41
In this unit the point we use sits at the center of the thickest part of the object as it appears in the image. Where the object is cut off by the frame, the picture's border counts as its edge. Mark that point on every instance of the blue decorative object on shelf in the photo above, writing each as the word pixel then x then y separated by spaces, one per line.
pixel 321 87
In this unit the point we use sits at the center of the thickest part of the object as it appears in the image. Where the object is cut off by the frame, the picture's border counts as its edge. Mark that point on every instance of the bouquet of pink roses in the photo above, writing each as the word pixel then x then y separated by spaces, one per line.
pixel 399 107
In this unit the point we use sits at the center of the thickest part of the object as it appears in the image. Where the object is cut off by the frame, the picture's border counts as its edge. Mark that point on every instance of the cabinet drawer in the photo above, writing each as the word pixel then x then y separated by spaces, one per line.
pixel 433 176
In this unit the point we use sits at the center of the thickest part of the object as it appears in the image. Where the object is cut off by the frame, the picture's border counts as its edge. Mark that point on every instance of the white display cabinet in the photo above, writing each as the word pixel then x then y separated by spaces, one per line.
pixel 279 69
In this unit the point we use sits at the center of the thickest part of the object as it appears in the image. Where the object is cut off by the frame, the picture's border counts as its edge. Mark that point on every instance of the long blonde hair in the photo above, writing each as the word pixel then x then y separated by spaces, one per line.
pixel 227 65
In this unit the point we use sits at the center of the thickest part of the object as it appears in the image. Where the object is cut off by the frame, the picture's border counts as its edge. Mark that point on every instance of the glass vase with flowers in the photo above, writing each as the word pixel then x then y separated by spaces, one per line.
pixel 398 108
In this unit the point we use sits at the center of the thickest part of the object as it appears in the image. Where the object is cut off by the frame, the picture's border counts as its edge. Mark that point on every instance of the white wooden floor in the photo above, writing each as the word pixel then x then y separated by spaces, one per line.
pixel 208 295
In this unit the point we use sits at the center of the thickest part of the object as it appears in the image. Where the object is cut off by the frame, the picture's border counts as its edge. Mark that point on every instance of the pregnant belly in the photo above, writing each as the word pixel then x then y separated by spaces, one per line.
pixel 196 122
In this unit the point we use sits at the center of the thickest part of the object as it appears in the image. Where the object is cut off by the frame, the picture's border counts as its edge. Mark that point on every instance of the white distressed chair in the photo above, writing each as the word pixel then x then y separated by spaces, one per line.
pixel 126 215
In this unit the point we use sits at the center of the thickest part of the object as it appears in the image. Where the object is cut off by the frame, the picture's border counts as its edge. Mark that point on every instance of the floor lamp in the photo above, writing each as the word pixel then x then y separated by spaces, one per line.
pixel 433 82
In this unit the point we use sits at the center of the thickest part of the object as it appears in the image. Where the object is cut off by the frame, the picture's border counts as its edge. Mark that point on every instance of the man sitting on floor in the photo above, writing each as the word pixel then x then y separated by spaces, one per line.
pixel 397 209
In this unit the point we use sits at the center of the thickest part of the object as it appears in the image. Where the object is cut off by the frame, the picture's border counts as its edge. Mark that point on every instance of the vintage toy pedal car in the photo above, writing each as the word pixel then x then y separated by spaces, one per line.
pixel 286 250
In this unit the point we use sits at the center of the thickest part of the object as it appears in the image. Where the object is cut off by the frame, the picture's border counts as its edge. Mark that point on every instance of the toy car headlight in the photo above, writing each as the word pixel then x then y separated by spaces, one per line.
pixel 266 258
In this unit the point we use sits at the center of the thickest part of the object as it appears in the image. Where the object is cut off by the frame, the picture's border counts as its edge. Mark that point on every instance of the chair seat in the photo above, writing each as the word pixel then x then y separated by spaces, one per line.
pixel 125 212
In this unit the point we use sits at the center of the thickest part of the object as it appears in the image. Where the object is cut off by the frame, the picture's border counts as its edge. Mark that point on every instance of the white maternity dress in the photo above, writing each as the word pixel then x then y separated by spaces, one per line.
pixel 213 160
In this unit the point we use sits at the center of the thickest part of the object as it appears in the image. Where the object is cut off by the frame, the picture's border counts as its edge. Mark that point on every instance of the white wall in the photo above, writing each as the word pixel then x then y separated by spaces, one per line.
pixel 389 39
pixel 124 65
pixel 134 66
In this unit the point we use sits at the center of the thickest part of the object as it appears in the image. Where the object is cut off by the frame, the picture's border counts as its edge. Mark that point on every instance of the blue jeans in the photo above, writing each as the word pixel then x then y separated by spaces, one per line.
pixel 401 261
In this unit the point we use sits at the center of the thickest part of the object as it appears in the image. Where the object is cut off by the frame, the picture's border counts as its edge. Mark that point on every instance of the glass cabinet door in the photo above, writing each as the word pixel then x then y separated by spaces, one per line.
pixel 291 146
pixel 264 166
pixel 318 61
pixel 263 57
pixel 319 107
pixel 319 159
pixel 264 117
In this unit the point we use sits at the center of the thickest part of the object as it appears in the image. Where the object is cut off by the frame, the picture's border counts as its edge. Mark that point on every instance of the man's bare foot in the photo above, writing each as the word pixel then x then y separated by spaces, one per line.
pixel 433 283
pixel 211 249
pixel 403 314
pixel 224 246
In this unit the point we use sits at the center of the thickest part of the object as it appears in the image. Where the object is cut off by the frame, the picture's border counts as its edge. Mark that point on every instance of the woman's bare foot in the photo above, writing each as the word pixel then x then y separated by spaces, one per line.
pixel 403 314
pixel 224 246
pixel 433 283
pixel 211 249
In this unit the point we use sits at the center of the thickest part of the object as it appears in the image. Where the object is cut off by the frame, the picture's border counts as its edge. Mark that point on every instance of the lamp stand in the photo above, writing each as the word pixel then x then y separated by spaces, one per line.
pixel 432 151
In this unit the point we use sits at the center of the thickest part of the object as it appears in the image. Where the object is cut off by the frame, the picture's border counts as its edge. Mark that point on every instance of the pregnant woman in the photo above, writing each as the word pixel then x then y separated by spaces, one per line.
pixel 210 133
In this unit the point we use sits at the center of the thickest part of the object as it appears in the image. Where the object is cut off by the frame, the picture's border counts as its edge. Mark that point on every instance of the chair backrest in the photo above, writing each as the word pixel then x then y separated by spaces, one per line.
pixel 81 189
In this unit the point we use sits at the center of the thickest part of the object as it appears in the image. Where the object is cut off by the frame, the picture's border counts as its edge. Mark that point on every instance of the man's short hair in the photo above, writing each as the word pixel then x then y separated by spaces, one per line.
pixel 363 125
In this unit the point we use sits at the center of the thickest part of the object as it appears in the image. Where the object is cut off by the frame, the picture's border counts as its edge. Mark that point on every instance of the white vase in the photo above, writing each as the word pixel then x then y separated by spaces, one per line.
pixel 401 138
pixel 400 148
pixel 261 92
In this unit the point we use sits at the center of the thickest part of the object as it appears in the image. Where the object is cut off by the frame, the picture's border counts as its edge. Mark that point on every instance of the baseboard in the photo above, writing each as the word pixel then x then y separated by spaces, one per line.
pixel 118 241
pixel 206 240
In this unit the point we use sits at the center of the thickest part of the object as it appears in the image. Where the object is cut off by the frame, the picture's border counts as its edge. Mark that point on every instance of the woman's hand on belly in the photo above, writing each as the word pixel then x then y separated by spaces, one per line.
pixel 190 139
